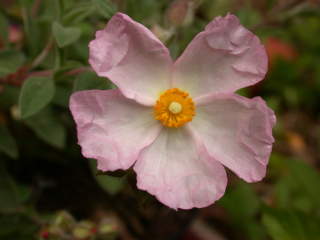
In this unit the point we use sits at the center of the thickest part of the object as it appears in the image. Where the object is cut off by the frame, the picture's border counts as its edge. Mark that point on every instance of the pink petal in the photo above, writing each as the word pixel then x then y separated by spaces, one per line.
pixel 112 128
pixel 237 132
pixel 222 59
pixel 132 57
pixel 178 173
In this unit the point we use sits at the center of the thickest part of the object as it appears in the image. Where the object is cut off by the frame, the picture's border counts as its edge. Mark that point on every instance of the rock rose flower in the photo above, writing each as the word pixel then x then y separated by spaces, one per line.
pixel 177 123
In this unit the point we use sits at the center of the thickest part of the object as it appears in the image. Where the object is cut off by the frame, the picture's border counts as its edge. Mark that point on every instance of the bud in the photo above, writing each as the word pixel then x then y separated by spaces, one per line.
pixel 108 227
pixel 44 234
pixel 83 230
pixel 181 12
pixel 162 33
pixel 15 34
pixel 15 113
pixel 64 221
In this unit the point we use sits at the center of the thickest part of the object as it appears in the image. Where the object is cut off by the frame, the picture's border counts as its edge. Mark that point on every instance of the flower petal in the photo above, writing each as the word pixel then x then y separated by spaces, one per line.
pixel 222 59
pixel 132 57
pixel 237 132
pixel 112 128
pixel 178 173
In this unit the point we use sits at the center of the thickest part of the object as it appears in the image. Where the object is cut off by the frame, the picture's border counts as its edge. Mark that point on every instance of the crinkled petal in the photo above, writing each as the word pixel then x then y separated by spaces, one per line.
pixel 132 58
pixel 112 128
pixel 222 59
pixel 179 172
pixel 237 132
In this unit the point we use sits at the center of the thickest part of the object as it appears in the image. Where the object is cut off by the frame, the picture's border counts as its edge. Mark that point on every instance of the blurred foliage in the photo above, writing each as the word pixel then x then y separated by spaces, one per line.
pixel 44 59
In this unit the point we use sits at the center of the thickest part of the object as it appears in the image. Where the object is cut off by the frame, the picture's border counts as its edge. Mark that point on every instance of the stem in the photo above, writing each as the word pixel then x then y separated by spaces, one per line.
pixel 35 8
pixel 43 54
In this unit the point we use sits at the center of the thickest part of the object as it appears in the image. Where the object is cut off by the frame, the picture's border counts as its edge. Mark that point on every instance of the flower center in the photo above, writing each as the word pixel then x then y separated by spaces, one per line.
pixel 174 108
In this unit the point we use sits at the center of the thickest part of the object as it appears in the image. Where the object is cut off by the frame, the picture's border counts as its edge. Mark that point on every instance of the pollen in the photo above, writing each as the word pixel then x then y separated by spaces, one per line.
pixel 174 108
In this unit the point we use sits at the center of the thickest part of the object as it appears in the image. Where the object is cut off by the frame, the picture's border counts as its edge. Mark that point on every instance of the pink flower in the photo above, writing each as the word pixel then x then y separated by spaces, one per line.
pixel 178 123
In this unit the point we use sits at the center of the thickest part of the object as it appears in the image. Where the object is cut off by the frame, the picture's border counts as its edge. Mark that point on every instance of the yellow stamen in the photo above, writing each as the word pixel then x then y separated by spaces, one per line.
pixel 174 108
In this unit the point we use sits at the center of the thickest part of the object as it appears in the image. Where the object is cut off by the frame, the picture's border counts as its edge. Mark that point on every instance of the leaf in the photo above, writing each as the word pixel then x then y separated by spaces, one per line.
pixel 32 28
pixel 247 205
pixel 65 35
pixel 48 128
pixel 110 184
pixel 9 97
pixel 104 7
pixel 8 190
pixel 275 229
pixel 10 61
pixel 217 7
pixel 243 213
pixel 35 94
pixel 90 80
pixel 298 186
pixel 8 144
pixel 307 178
pixel 290 225
pixel 4 29
pixel 249 17
pixel 60 74
pixel 51 10
pixel 62 96
pixel 79 12
pixel 17 227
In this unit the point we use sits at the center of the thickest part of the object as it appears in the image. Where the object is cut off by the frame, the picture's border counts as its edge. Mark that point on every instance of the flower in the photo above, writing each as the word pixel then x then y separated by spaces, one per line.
pixel 178 123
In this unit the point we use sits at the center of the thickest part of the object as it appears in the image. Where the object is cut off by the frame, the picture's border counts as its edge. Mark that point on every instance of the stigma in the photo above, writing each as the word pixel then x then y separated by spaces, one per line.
pixel 174 108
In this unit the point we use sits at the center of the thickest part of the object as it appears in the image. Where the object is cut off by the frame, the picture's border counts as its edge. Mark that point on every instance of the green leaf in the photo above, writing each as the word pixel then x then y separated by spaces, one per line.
pixel 290 225
pixel 10 61
pixel 4 28
pixel 9 97
pixel 298 187
pixel 8 191
pixel 61 74
pixel 104 7
pixel 65 35
pixel 275 229
pixel 110 184
pixel 144 9
pixel 17 227
pixel 48 128
pixel 8 144
pixel 79 12
pixel 51 10
pixel 243 213
pixel 249 17
pixel 247 202
pixel 33 30
pixel 307 178
pixel 35 94
pixel 90 80
pixel 304 34
pixel 217 7
pixel 62 96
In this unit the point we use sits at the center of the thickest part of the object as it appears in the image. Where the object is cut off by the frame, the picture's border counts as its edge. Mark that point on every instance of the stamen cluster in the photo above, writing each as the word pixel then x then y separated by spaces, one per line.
pixel 174 108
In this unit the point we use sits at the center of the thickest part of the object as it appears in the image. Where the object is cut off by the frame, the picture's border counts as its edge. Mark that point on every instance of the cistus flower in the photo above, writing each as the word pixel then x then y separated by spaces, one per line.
pixel 178 123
